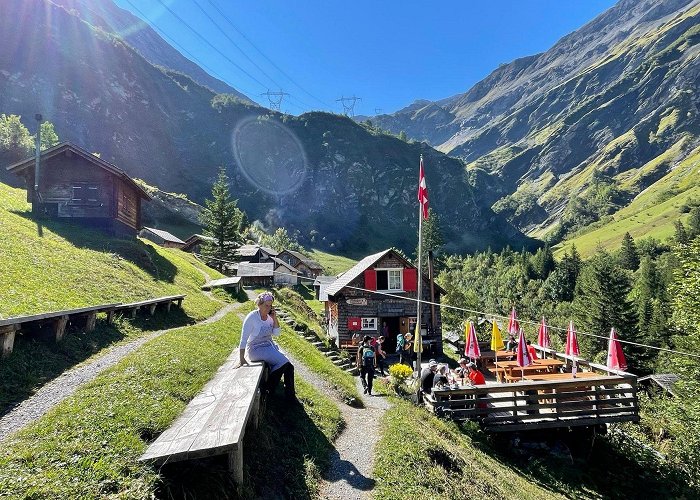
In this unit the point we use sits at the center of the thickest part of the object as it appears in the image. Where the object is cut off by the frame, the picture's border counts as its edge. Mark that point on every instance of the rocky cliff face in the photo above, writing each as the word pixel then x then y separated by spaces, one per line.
pixel 341 185
pixel 610 97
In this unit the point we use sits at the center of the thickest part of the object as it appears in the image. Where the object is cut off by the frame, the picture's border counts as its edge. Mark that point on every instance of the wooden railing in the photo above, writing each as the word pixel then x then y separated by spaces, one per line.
pixel 534 405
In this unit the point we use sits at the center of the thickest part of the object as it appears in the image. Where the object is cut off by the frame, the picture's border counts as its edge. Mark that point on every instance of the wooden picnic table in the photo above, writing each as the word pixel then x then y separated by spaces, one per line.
pixel 512 369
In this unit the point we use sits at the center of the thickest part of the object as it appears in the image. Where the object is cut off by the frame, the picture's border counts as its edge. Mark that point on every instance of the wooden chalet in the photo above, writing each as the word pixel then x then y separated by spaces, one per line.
pixel 255 253
pixel 307 267
pixel 77 185
pixel 256 273
pixel 284 273
pixel 320 285
pixel 354 306
pixel 194 243
pixel 160 237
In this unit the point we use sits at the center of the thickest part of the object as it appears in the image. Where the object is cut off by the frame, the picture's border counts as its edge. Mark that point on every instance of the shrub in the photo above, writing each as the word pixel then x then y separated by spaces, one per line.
pixel 399 374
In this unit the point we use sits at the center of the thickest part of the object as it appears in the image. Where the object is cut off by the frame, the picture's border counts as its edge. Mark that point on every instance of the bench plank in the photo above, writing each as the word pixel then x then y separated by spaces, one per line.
pixel 54 314
pixel 214 422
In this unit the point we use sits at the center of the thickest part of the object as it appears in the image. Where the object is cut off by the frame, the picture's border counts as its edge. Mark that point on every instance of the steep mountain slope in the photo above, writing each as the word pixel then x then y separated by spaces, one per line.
pixel 109 17
pixel 604 101
pixel 341 185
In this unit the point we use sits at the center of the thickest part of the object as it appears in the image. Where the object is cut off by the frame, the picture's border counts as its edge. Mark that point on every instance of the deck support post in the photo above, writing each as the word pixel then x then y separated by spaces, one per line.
pixel 152 309
pixel 7 340
pixel 59 326
pixel 235 463
pixel 90 321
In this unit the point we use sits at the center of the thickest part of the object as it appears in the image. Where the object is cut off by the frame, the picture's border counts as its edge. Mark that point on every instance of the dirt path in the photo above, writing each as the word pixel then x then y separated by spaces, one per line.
pixel 68 382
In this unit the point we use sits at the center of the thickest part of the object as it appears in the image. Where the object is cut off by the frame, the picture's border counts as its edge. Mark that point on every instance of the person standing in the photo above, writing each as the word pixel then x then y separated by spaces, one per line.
pixel 408 350
pixel 259 326
pixel 400 343
pixel 381 354
pixel 366 362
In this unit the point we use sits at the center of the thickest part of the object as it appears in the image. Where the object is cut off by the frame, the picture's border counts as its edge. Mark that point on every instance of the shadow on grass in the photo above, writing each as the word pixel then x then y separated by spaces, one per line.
pixel 578 463
pixel 282 459
pixel 94 238
pixel 37 359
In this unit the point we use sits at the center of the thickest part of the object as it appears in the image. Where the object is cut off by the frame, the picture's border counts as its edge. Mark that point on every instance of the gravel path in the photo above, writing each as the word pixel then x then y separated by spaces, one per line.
pixel 66 384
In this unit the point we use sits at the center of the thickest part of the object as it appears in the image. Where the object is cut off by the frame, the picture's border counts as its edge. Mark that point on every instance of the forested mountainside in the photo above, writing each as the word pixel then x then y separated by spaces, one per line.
pixel 576 133
pixel 339 184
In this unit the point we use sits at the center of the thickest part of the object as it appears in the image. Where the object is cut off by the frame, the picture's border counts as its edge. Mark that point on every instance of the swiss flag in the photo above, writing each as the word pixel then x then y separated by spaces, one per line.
pixel 422 190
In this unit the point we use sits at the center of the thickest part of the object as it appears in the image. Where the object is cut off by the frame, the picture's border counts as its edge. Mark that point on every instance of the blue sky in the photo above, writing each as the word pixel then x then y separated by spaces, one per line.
pixel 389 53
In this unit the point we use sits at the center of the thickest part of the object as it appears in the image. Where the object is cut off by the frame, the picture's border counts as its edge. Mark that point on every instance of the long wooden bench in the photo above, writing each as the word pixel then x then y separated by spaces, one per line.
pixel 133 307
pixel 215 421
pixel 57 321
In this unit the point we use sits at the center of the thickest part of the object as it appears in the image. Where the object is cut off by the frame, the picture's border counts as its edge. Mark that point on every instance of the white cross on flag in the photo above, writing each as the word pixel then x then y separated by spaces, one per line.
pixel 423 191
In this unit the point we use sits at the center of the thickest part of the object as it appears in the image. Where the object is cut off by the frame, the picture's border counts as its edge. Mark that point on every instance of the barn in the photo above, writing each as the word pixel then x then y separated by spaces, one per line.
pixel 74 184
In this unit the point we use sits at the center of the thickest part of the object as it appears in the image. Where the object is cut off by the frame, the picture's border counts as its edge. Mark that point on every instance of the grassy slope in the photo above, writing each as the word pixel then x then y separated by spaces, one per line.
pixel 88 445
pixel 332 264
pixel 420 456
pixel 50 265
pixel 651 214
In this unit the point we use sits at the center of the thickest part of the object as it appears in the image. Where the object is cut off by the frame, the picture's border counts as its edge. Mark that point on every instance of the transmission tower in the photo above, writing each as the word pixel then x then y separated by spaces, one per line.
pixel 349 104
pixel 377 111
pixel 275 99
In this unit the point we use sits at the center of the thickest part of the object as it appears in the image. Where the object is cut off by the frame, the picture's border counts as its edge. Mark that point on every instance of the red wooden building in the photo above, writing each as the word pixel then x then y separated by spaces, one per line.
pixel 77 185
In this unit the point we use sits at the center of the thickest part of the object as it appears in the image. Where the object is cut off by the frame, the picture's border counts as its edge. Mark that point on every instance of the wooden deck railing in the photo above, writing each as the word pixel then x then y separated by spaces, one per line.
pixel 535 405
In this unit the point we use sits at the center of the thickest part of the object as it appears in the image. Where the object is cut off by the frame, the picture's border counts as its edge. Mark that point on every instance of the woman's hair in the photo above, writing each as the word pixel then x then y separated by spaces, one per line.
pixel 442 370
pixel 264 297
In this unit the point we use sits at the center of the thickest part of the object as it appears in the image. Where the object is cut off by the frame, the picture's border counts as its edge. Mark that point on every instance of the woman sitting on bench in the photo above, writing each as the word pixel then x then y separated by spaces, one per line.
pixel 259 326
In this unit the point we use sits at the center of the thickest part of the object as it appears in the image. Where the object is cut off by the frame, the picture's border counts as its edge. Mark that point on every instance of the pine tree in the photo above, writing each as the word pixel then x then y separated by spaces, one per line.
pixel 601 303
pixel 629 256
pixel 432 240
pixel 680 236
pixel 694 223
pixel 49 137
pixel 222 220
pixel 543 262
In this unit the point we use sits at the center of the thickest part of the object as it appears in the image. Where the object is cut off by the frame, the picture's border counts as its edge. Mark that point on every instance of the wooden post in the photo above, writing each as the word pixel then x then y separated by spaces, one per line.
pixel 179 302
pixel 59 325
pixel 167 305
pixel 133 312
pixel 7 339
pixel 235 463
pixel 90 321
pixel 152 309
pixel 110 316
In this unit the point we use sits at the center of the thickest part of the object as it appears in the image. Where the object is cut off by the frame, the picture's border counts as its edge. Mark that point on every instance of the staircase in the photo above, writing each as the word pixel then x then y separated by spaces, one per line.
pixel 337 357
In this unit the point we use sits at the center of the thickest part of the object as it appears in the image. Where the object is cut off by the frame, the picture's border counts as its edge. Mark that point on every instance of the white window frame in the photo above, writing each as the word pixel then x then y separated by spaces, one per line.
pixel 389 270
pixel 369 324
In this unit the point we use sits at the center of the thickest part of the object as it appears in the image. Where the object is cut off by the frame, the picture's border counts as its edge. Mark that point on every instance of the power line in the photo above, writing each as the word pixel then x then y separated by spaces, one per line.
pixel 228 20
pixel 463 309
pixel 275 99
pixel 349 104
pixel 180 47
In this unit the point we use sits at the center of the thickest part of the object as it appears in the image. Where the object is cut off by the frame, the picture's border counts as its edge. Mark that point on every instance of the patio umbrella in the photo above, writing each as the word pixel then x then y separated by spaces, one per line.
pixel 496 340
pixel 471 348
pixel 543 335
pixel 571 341
pixel 523 357
pixel 513 325
pixel 616 358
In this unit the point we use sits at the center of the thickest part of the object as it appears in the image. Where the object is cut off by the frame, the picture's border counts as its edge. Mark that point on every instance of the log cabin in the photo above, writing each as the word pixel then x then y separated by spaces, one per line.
pixel 76 185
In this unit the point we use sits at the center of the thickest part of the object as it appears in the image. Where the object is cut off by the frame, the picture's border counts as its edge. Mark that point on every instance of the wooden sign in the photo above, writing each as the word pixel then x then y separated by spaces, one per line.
pixel 357 302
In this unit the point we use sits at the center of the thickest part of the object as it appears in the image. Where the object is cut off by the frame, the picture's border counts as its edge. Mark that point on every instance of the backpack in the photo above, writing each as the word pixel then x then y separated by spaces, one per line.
pixel 367 356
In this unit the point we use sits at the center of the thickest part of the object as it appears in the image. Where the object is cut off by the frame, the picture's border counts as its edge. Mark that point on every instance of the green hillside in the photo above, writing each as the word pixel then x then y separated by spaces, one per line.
pixel 652 213
pixel 51 265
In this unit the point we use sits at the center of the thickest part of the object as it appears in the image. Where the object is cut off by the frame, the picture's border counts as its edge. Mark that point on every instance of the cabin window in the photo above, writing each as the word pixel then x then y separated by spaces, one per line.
pixel 85 193
pixel 369 324
pixel 390 279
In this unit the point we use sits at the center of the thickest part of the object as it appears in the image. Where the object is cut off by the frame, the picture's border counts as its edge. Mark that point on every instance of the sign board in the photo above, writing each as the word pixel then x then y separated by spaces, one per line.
pixel 357 302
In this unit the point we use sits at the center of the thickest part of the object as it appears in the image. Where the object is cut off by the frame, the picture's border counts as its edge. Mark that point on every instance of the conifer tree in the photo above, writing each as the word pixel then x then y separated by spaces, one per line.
pixel 222 220
pixel 543 262
pixel 432 240
pixel 681 236
pixel 629 256
pixel 694 223
pixel 601 302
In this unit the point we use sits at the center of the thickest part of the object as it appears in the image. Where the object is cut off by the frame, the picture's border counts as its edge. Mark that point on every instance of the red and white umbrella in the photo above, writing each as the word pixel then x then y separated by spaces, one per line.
pixel 523 356
pixel 543 335
pixel 513 325
pixel 571 341
pixel 471 348
pixel 616 358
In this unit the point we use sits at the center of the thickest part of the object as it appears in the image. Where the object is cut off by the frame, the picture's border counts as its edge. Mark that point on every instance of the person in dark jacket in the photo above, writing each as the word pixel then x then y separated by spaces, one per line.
pixel 366 362
pixel 427 375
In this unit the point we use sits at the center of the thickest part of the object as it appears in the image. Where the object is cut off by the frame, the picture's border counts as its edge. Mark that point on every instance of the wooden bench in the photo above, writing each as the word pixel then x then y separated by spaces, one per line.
pixel 151 304
pixel 215 421
pixel 56 320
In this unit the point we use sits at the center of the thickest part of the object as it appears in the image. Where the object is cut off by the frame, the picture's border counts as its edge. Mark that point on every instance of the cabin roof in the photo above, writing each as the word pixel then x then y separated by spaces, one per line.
pixel 664 380
pixel 165 235
pixel 59 149
pixel 254 269
pixel 310 263
pixel 282 263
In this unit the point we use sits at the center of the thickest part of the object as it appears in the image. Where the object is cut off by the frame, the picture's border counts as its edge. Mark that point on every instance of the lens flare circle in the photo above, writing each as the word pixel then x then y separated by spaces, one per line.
pixel 270 156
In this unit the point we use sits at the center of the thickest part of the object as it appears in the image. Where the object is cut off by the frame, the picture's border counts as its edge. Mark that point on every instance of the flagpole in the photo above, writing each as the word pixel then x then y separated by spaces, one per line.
pixel 419 340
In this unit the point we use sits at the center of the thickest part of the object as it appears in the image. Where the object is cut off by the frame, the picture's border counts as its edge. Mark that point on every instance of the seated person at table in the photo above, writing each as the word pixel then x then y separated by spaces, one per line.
pixel 475 376
pixel 531 351
pixel 462 371
pixel 440 379
pixel 512 343
pixel 427 375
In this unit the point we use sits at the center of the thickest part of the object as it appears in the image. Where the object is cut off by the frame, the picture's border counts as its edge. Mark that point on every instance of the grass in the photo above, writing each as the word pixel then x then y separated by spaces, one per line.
pixel 88 445
pixel 421 456
pixel 332 264
pixel 49 265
